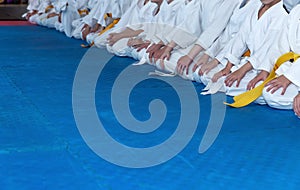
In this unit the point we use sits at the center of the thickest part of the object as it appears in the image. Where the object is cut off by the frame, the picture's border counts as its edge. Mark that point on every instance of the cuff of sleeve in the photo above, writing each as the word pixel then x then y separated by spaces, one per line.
pixel 210 54
pixel 222 60
pixel 292 78
pixel 254 62
pixel 184 43
pixel 200 43
pixel 156 40
pixel 232 59
pixel 265 67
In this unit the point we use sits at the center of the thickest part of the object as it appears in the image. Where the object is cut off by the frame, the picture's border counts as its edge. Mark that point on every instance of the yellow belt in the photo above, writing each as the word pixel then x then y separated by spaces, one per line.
pixel 247 97
pixel 103 31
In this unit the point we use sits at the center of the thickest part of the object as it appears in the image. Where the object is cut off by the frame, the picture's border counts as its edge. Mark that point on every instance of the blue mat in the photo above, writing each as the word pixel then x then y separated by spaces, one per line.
pixel 41 147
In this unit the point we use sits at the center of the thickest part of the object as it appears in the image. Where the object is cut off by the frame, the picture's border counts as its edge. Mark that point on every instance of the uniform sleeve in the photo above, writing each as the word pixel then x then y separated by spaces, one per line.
pixel 43 5
pixel 188 25
pixel 293 73
pixel 238 46
pixel 103 9
pixel 81 4
pixel 221 55
pixel 33 5
pixel 210 34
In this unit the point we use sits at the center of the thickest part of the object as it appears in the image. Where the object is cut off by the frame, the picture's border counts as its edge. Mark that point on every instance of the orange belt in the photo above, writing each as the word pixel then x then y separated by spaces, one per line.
pixel 247 54
pixel 83 12
pixel 48 8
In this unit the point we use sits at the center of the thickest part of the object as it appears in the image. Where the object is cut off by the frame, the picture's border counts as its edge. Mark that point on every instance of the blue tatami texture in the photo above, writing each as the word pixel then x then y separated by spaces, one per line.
pixel 41 147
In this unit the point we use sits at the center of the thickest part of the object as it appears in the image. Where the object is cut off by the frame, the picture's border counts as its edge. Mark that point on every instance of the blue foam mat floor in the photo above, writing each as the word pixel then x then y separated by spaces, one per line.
pixel 41 147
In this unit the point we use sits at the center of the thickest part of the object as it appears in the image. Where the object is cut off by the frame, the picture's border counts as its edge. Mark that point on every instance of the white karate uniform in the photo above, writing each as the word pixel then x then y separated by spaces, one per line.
pixel 289 41
pixel 117 8
pixel 38 18
pixel 50 22
pixel 258 37
pixel 141 14
pixel 220 46
pixel 90 5
pixel 64 6
pixel 202 22
pixel 105 7
pixel 32 5
pixel 69 14
pixel 88 19
pixel 100 41
pixel 165 22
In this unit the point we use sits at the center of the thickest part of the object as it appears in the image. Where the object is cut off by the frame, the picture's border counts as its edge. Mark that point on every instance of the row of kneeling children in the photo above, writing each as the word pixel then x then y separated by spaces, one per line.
pixel 244 48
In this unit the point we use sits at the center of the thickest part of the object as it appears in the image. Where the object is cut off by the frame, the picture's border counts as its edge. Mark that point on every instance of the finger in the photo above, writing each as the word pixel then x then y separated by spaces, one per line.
pixel 250 85
pixel 156 58
pixel 297 106
pixel 271 86
pixel 254 83
pixel 140 48
pixel 283 90
pixel 178 67
pixel 238 82
pixel 187 69
pixel 162 57
pixel 195 67
pixel 182 69
pixel 227 79
pixel 150 55
pixel 230 81
pixel 149 49
pixel 200 73
pixel 274 89
pixel 168 57
pixel 161 63
pixel 216 77
pixel 271 82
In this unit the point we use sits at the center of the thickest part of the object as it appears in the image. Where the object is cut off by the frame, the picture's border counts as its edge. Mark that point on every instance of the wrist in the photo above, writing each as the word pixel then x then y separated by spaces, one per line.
pixel 169 48
pixel 228 66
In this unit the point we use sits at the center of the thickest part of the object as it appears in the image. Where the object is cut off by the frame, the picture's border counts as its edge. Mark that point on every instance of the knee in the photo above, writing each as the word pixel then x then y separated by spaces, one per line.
pixel 276 100
pixel 99 41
